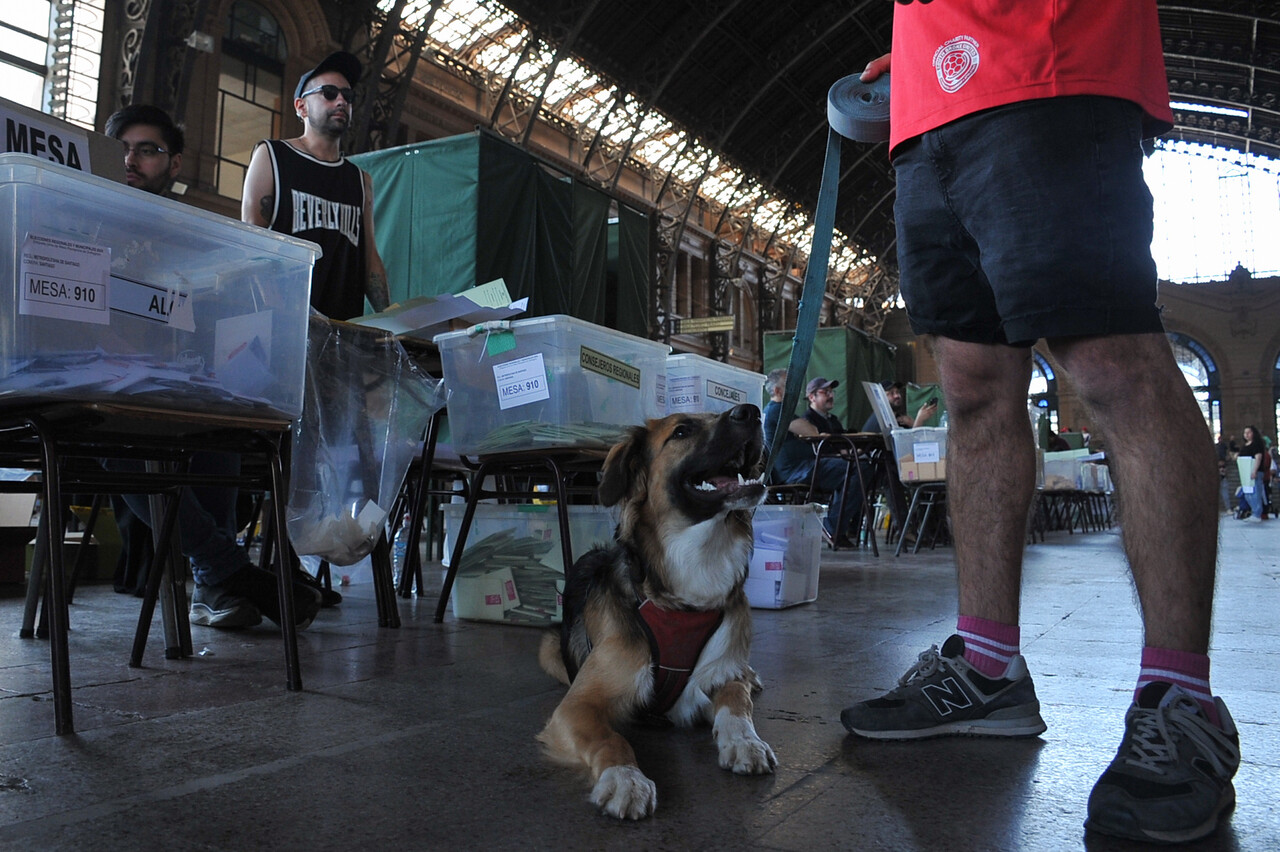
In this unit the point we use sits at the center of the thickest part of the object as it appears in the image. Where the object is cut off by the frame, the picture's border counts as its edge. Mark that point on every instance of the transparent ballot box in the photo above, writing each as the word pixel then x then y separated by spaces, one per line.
pixel 119 296
pixel 547 382
pixel 697 384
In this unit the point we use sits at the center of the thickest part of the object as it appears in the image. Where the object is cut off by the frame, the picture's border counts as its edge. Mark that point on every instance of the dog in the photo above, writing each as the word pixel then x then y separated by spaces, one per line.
pixel 658 623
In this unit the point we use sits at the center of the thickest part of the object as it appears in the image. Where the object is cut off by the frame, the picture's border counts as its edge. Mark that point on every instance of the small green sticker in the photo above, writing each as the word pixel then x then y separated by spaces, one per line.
pixel 499 342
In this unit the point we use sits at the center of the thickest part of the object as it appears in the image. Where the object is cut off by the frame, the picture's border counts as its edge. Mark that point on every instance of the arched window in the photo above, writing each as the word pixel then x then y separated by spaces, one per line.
pixel 1043 392
pixel 1201 373
pixel 250 91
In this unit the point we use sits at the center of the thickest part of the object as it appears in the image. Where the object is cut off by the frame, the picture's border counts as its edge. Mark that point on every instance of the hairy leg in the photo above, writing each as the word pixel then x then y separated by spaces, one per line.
pixel 1162 456
pixel 990 471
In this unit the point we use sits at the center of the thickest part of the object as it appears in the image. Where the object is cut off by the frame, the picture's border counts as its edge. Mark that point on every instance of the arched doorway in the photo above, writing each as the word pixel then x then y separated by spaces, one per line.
pixel 1201 373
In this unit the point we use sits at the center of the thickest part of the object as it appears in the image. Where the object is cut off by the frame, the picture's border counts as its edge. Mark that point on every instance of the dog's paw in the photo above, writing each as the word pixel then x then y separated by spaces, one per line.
pixel 626 793
pixel 741 748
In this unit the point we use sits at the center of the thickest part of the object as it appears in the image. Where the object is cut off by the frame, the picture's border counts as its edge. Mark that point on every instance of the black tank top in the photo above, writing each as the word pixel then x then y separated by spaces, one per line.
pixel 324 203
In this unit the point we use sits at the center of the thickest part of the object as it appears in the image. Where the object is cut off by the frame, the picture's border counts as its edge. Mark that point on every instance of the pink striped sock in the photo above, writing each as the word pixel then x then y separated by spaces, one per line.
pixel 988 645
pixel 1182 668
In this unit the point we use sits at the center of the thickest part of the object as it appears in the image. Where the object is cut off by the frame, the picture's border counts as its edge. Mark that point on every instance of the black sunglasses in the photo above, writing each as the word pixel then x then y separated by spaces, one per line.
pixel 331 93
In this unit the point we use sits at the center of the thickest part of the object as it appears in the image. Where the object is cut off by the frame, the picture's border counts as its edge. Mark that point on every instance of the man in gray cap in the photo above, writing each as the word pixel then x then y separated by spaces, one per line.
pixel 304 187
pixel 796 461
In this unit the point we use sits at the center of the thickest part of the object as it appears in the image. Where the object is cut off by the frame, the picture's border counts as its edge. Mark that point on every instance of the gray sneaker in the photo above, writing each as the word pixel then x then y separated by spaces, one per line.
pixel 215 606
pixel 943 695
pixel 1171 779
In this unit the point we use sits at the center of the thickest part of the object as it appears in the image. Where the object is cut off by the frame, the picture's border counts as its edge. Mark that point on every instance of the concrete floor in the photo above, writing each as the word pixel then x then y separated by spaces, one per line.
pixel 423 737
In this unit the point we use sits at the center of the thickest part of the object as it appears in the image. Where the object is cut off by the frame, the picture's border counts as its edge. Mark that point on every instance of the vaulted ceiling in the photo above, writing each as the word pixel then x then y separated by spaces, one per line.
pixel 749 78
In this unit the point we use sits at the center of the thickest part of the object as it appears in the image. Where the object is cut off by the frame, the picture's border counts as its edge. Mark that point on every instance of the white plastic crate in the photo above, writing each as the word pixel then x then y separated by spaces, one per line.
pixel 512 568
pixel 547 382
pixel 120 296
pixel 784 565
pixel 698 384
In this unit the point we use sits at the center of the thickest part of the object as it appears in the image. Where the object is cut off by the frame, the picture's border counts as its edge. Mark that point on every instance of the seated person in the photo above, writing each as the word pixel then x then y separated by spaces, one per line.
pixel 796 459
pixel 898 403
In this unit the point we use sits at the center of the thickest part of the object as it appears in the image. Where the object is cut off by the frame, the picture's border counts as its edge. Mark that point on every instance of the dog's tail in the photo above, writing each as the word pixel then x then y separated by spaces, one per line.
pixel 550 658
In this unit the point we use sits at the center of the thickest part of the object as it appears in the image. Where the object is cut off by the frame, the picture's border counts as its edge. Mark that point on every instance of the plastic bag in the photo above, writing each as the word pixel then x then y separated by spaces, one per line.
pixel 365 407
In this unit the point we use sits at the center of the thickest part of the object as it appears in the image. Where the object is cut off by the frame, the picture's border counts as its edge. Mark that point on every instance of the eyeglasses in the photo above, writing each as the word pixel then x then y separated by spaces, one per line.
pixel 145 150
pixel 331 93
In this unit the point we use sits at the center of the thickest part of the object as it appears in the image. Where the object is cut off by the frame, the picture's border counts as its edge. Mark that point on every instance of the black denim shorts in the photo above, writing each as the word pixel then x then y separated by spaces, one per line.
pixel 1028 221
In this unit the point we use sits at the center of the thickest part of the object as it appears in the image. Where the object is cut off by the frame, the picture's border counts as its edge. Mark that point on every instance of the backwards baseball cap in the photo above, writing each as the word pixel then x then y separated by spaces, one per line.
pixel 342 62
pixel 887 385
pixel 818 383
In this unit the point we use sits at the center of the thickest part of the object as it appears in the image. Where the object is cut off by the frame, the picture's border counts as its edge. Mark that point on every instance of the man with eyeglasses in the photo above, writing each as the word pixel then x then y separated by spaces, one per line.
pixel 152 146
pixel 304 187
pixel 230 592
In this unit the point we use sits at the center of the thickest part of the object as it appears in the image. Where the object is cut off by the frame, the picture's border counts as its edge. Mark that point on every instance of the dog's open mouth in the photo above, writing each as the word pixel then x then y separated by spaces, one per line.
pixel 728 484
pixel 731 479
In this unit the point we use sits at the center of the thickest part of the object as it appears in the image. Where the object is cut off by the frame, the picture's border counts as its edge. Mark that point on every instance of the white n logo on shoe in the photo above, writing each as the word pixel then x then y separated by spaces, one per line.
pixel 946 696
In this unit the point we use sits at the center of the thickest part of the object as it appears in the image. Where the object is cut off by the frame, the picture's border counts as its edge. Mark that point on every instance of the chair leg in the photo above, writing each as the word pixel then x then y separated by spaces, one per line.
pixel 284 579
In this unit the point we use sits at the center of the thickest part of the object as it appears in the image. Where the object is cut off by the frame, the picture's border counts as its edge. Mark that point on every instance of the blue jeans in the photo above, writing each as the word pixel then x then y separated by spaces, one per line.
pixel 206 517
pixel 831 477
pixel 1256 500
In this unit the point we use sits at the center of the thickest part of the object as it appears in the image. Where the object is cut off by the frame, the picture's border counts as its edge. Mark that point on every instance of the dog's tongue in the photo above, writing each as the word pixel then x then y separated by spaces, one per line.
pixel 724 483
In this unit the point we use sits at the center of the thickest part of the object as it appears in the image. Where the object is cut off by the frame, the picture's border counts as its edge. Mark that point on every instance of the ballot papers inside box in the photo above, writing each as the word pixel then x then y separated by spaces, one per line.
pixel 119 296
pixel 519 543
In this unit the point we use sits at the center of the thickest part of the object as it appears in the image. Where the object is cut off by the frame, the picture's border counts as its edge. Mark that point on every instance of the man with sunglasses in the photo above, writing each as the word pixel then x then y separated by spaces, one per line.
pixel 304 187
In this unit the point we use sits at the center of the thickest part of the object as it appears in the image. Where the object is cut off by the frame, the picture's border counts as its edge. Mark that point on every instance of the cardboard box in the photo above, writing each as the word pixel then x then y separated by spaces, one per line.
pixel 552 381
pixel 114 295
pixel 788 548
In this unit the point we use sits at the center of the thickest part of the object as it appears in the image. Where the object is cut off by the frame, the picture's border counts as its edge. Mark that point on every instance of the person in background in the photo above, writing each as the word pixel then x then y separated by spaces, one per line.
pixel 796 459
pixel 306 188
pixel 895 392
pixel 1255 449
pixel 230 591
pixel 152 146
pixel 1022 215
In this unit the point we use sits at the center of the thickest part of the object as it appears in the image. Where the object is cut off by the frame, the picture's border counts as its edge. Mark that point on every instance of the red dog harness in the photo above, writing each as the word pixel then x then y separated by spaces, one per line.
pixel 676 639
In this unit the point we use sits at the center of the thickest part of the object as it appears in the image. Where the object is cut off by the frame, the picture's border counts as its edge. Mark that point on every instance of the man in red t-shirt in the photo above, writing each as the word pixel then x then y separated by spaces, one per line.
pixel 1016 138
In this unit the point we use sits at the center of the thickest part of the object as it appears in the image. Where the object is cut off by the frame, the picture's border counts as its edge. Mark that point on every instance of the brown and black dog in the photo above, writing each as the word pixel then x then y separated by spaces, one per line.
pixel 658 623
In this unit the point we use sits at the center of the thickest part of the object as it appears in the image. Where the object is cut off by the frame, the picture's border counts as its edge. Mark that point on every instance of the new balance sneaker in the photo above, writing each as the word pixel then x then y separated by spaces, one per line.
pixel 1171 779
pixel 217 606
pixel 943 695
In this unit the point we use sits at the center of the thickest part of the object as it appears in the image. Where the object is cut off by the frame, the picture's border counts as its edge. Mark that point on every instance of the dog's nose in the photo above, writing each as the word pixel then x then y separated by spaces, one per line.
pixel 744 413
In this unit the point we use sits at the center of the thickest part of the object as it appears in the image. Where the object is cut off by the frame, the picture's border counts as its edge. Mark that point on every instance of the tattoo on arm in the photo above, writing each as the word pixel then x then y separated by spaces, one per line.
pixel 376 290
pixel 265 206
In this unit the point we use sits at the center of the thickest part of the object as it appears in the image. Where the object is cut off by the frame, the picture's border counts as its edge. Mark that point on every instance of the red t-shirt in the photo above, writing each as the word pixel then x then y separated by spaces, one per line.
pixel 955 57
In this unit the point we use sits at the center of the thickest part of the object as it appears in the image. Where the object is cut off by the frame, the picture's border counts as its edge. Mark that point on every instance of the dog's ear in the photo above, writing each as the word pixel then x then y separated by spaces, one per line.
pixel 624 469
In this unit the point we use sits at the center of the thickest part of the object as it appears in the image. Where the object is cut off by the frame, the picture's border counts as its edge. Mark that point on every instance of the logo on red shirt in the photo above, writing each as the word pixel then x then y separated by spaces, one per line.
pixel 956 61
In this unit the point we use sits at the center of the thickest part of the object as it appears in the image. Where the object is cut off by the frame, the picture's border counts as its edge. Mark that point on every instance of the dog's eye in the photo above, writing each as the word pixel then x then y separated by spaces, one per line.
pixel 684 430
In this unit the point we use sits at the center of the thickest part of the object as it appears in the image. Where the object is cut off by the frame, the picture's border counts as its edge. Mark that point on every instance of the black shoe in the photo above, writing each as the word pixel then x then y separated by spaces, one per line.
pixel 260 588
pixel 216 606
pixel 328 597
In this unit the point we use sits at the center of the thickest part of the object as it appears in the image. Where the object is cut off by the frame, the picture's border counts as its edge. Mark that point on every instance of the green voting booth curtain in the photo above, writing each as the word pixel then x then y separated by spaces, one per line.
pixel 631 265
pixel 424 210
pixel 839 353
pixel 456 212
